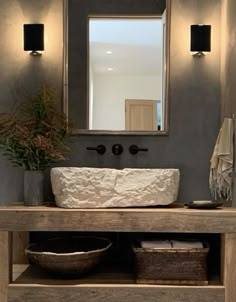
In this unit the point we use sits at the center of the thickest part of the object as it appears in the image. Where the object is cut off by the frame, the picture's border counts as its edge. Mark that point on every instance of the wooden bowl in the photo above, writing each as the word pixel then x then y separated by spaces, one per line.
pixel 72 256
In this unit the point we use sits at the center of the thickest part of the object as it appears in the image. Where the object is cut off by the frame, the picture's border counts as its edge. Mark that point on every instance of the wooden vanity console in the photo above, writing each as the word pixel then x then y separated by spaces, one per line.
pixel 115 286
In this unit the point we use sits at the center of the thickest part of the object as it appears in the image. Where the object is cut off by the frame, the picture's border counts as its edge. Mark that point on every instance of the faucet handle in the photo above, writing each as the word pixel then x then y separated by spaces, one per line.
pixel 101 149
pixel 134 149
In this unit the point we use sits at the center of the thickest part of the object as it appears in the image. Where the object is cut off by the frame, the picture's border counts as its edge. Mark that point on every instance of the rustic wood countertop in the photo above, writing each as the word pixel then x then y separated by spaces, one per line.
pixel 176 219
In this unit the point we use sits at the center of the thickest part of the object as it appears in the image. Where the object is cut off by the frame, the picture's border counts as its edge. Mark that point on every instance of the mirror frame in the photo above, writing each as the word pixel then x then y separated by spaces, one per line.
pixel 165 132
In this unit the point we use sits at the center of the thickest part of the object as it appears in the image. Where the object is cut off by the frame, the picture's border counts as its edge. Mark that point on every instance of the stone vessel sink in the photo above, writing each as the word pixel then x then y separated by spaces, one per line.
pixel 105 188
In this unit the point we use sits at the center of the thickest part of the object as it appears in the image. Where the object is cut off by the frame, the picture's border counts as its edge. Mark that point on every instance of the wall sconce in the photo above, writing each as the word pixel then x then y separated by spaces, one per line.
pixel 34 38
pixel 200 39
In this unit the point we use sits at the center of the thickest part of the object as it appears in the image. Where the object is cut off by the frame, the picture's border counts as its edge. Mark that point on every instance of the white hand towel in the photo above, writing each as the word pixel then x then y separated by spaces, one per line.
pixel 221 169
pixel 179 244
pixel 156 244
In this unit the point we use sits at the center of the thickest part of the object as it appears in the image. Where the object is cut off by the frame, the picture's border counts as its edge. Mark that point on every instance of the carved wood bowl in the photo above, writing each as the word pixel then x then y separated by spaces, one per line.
pixel 68 257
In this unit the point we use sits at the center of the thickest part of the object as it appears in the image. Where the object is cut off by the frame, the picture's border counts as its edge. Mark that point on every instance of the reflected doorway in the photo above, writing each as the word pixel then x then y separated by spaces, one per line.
pixel 142 115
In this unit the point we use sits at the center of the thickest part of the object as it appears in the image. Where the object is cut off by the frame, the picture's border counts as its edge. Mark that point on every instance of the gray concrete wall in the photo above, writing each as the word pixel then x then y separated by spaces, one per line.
pixel 228 58
pixel 21 73
pixel 194 96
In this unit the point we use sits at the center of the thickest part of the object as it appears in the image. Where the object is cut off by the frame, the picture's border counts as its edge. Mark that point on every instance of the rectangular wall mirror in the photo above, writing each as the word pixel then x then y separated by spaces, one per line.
pixel 116 64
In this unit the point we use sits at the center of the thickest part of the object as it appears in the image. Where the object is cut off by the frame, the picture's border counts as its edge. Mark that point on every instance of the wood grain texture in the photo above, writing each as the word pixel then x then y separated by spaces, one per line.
pixel 230 267
pixel 5 264
pixel 114 294
pixel 108 274
pixel 222 259
pixel 119 220
pixel 20 241
pixel 163 220
pixel 18 269
pixel 104 274
pixel 172 282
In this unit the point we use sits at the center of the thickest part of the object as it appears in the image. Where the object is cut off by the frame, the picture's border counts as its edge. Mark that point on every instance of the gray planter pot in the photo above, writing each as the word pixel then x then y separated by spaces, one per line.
pixel 33 188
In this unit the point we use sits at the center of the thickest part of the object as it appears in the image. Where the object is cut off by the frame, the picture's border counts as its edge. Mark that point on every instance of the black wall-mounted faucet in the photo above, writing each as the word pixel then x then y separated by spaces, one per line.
pixel 134 149
pixel 101 149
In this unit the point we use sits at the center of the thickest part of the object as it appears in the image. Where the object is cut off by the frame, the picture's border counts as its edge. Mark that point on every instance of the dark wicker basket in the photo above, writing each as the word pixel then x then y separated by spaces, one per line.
pixel 171 266
pixel 68 257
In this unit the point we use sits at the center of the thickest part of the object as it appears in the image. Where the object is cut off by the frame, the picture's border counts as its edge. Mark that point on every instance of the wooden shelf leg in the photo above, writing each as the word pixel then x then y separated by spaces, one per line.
pixel 229 258
pixel 5 263
pixel 20 241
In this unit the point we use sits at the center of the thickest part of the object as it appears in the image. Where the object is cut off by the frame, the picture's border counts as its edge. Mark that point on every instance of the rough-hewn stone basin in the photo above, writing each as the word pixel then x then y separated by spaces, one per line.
pixel 105 188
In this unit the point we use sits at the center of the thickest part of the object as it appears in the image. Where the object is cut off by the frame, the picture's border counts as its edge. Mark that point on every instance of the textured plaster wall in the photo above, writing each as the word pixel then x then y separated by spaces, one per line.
pixel 194 96
pixel 20 72
pixel 228 58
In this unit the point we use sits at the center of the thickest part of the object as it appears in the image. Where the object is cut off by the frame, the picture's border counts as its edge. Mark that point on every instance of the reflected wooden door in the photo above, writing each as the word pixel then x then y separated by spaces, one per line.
pixel 140 115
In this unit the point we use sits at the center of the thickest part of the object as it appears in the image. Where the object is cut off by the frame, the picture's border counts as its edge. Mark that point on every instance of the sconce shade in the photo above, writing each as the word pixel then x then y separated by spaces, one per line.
pixel 34 37
pixel 200 38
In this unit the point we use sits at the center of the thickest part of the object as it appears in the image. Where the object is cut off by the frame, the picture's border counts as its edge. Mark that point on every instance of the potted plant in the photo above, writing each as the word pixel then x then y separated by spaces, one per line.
pixel 32 137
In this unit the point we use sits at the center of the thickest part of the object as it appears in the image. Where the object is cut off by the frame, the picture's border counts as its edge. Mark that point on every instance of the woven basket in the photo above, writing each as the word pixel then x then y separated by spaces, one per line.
pixel 68 257
pixel 171 266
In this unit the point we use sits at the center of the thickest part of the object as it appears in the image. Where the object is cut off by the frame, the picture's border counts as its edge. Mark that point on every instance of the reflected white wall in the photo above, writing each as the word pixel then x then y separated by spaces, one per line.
pixel 110 93
pixel 91 76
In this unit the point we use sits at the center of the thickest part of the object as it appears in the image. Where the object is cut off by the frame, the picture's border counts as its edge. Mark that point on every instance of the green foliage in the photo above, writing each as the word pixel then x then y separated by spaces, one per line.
pixel 32 136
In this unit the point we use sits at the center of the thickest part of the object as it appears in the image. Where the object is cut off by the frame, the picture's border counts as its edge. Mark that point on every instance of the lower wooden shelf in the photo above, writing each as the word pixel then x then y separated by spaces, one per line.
pixel 114 284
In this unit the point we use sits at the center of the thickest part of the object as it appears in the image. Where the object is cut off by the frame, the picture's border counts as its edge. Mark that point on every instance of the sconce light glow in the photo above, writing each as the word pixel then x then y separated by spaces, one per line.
pixel 110 69
pixel 109 52
pixel 34 38
pixel 200 39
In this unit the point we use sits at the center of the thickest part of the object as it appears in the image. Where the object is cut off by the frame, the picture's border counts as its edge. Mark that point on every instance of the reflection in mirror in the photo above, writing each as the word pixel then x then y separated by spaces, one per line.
pixel 116 66
pixel 126 72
